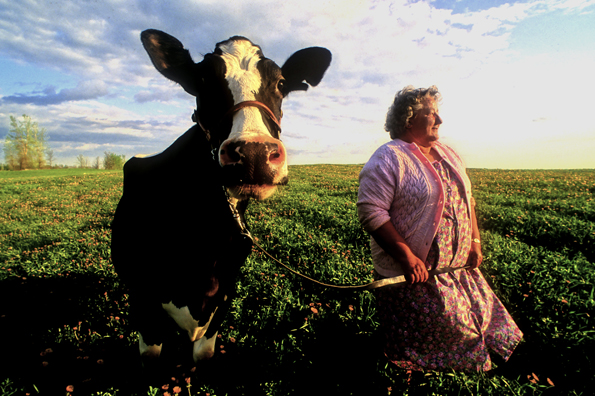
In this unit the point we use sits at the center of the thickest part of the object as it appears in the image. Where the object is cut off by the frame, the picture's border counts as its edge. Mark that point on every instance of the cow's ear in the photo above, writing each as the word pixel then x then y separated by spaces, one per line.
pixel 171 59
pixel 308 64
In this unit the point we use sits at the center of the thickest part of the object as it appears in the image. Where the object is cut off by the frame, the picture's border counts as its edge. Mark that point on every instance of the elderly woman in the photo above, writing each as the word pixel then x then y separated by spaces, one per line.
pixel 415 201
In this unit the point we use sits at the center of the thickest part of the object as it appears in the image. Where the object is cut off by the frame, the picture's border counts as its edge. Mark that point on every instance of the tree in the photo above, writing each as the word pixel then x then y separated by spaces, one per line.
pixel 25 144
pixel 96 163
pixel 82 161
pixel 113 161
pixel 49 154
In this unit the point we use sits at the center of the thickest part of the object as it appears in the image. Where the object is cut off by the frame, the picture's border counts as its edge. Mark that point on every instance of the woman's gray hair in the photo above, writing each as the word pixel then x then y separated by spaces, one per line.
pixel 407 103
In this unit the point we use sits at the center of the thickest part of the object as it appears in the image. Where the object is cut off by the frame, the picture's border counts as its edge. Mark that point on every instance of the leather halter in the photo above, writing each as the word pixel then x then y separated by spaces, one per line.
pixel 215 147
pixel 255 103
pixel 235 109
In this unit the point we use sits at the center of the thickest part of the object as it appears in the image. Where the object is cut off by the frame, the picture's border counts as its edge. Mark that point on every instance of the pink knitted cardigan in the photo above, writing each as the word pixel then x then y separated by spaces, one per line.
pixel 399 184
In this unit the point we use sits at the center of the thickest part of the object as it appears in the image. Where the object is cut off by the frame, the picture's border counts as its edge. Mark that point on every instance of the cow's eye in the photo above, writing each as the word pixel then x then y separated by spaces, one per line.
pixel 280 85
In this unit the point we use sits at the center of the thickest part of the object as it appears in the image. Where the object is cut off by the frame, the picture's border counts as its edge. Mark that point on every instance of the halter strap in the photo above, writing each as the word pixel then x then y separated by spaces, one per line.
pixel 254 103
pixel 230 113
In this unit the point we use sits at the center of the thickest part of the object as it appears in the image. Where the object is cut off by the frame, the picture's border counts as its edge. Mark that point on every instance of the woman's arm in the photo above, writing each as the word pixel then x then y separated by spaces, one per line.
pixel 393 243
pixel 378 183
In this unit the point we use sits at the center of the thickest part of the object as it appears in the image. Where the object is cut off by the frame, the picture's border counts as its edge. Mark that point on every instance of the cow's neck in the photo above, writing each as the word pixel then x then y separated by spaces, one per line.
pixel 207 133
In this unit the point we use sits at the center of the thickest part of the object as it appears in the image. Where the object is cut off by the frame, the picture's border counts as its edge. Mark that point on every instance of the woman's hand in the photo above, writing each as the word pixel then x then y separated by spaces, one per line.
pixel 393 243
pixel 415 270
pixel 475 256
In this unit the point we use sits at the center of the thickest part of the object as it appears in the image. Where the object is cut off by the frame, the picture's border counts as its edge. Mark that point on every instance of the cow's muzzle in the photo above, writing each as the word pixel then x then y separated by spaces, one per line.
pixel 253 168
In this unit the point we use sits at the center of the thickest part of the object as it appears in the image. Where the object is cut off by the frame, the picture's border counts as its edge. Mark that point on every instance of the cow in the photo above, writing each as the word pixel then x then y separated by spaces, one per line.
pixel 179 235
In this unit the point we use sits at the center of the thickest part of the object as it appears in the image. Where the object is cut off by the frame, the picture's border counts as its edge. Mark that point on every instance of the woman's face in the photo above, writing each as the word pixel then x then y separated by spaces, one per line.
pixel 424 126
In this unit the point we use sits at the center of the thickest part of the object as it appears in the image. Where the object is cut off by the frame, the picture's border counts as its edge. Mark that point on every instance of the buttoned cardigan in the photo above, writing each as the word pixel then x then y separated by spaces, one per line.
pixel 399 184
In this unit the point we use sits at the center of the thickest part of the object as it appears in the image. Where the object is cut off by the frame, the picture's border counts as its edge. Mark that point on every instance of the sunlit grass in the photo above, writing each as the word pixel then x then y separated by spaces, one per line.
pixel 64 304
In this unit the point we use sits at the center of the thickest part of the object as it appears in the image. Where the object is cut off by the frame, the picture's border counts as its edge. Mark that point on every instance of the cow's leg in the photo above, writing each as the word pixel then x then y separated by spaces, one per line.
pixel 204 335
pixel 185 321
pixel 148 353
pixel 204 348
pixel 150 322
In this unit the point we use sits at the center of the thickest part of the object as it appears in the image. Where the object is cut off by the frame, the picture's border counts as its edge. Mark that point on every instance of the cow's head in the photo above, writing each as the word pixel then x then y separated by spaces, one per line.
pixel 238 94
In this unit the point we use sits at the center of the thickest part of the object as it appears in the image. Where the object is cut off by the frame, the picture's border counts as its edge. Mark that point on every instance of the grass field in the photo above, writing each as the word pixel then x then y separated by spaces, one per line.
pixel 66 313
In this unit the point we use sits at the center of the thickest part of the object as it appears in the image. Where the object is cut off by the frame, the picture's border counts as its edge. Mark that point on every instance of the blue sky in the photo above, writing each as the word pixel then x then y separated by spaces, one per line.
pixel 516 77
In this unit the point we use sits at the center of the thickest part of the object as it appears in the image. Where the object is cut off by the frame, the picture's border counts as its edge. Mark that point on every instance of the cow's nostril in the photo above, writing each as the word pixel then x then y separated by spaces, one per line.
pixel 276 157
pixel 228 154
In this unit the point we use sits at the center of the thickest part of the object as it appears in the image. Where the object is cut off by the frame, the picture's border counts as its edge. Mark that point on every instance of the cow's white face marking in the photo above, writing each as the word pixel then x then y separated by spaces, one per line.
pixel 241 58
pixel 244 80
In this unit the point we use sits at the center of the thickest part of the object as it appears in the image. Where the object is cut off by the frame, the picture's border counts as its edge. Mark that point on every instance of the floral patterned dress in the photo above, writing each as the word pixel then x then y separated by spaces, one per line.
pixel 454 320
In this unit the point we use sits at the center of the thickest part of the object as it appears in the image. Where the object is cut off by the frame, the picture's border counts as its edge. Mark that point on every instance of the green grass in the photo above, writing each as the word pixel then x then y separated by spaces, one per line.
pixel 66 311
pixel 51 173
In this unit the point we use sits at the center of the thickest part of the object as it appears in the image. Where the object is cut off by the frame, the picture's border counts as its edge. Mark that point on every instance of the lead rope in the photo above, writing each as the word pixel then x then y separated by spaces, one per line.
pixel 396 280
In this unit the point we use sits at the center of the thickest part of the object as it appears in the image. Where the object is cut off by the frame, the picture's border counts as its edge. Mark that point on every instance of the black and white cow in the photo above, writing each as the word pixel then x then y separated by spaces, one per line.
pixel 176 242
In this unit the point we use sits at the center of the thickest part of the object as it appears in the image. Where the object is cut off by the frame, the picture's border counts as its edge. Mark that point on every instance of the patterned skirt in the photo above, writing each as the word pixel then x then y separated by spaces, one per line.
pixel 452 321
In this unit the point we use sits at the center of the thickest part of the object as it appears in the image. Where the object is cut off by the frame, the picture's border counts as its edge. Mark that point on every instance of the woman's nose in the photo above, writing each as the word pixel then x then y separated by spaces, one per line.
pixel 438 120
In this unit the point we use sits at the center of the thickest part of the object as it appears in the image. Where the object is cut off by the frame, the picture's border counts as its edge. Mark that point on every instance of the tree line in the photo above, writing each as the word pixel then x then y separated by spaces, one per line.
pixel 26 147
pixel 110 161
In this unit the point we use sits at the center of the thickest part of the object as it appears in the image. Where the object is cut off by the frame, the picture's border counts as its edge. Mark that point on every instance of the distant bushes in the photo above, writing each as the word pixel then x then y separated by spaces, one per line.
pixel 113 161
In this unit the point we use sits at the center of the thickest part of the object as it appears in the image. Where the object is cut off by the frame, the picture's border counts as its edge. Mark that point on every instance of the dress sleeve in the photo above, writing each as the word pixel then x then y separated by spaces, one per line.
pixel 378 182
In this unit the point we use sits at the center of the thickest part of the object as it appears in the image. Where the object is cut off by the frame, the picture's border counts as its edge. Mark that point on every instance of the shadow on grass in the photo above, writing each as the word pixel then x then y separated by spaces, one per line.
pixel 334 361
pixel 565 363
pixel 36 319
pixel 336 358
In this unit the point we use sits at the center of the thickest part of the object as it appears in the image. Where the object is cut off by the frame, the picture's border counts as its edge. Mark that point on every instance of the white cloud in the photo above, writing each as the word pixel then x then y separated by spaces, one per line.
pixel 378 47
pixel 85 90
